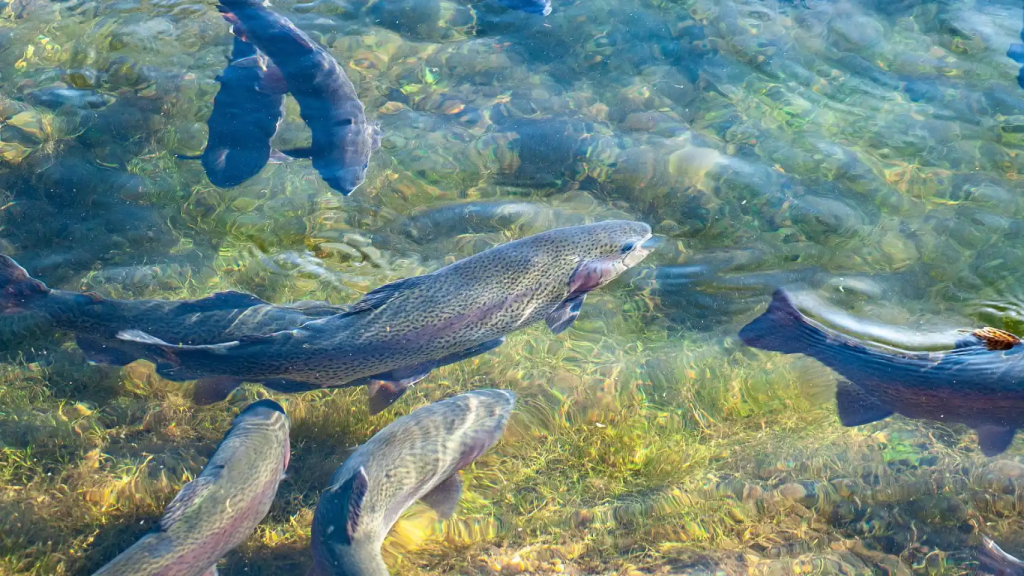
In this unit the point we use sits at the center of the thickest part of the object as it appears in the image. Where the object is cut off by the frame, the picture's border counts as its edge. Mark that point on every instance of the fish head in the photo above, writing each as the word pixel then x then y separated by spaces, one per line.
pixel 348 171
pixel 267 414
pixel 601 252
pixel 486 416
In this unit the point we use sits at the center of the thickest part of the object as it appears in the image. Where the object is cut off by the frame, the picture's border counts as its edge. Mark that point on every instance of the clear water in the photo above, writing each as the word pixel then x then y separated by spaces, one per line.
pixel 869 151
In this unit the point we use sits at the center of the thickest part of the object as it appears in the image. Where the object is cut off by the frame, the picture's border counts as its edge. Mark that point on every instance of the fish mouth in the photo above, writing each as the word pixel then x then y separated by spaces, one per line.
pixel 261 405
pixel 642 250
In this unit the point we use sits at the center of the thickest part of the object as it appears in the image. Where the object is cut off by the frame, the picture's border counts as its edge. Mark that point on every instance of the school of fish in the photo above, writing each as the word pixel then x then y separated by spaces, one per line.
pixel 397 334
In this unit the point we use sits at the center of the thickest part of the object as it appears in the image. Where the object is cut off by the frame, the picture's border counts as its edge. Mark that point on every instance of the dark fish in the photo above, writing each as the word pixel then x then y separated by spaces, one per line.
pixel 417 457
pixel 96 320
pixel 220 508
pixel 328 102
pixel 530 6
pixel 244 119
pixel 1002 564
pixel 399 332
pixel 980 382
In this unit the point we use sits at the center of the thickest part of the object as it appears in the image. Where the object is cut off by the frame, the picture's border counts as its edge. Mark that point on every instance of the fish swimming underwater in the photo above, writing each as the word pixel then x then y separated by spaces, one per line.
pixel 417 457
pixel 244 119
pixel 95 320
pixel 395 335
pixel 995 558
pixel 980 382
pixel 328 102
pixel 220 508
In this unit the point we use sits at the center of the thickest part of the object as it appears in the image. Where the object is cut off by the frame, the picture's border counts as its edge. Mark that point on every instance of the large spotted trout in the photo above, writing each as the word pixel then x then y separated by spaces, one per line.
pixel 417 457
pixel 980 382
pixel 395 335
pixel 220 508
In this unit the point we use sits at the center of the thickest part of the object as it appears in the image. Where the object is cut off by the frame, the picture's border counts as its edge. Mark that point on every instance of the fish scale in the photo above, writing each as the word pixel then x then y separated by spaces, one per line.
pixel 401 331
pixel 406 461
pixel 219 509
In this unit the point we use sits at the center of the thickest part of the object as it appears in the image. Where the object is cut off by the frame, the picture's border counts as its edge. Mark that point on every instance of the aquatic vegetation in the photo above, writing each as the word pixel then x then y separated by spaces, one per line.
pixel 869 150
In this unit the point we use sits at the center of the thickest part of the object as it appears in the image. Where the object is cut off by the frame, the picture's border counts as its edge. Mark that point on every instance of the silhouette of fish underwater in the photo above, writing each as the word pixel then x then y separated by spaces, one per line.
pixel 342 140
pixel 397 334
pixel 980 382
pixel 244 119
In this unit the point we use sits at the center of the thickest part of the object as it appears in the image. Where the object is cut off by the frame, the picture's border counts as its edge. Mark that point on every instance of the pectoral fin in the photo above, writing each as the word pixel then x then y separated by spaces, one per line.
pixel 994 440
pixel 996 339
pixel 445 496
pixel 383 393
pixel 565 314
pixel 188 495
pixel 298 152
pixel 387 387
pixel 856 407
pixel 211 390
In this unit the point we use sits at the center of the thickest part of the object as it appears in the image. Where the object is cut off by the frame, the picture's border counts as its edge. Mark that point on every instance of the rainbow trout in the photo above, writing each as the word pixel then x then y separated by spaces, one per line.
pixel 220 508
pixel 95 320
pixel 395 335
pixel 980 382
pixel 417 457
pixel 244 119
pixel 328 102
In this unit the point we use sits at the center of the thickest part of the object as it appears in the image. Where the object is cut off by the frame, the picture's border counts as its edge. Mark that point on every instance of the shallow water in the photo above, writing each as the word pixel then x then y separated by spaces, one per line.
pixel 867 151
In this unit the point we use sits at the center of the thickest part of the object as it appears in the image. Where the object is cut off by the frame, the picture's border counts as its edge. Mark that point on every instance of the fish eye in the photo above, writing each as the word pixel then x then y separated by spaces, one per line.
pixel 628 247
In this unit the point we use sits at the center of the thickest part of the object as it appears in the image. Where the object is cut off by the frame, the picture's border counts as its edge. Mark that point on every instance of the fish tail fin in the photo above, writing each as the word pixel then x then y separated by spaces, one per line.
pixel 782 328
pixel 18 291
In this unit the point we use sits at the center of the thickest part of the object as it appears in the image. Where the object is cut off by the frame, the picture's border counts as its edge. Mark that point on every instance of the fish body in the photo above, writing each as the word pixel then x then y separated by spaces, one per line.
pixel 244 119
pixel 396 334
pixel 96 320
pixel 220 508
pixel 416 457
pixel 328 103
pixel 980 382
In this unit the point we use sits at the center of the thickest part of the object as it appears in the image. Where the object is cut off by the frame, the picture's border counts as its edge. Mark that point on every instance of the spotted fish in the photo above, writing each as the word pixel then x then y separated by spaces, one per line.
pixel 244 119
pixel 399 332
pixel 417 457
pixel 980 382
pixel 328 102
pixel 95 320
pixel 220 508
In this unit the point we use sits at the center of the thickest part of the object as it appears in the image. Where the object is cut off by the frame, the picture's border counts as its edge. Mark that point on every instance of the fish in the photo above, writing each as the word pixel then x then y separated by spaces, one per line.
pixel 220 508
pixel 416 457
pixel 96 321
pixel 244 119
pixel 995 558
pixel 342 140
pixel 979 382
pixel 542 7
pixel 397 334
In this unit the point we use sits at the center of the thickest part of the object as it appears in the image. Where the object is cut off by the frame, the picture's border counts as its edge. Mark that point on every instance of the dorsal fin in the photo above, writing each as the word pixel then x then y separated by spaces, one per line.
pixel 190 494
pixel 229 300
pixel 996 339
pixel 378 297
